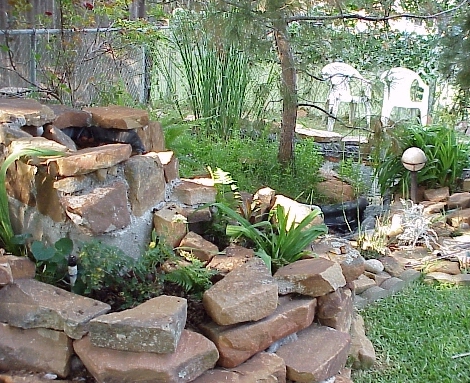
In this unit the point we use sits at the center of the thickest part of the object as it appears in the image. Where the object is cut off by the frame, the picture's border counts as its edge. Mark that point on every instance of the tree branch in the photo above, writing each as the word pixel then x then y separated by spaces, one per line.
pixel 356 16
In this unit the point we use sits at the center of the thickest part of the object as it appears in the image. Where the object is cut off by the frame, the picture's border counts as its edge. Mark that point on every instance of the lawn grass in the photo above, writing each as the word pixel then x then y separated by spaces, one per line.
pixel 416 333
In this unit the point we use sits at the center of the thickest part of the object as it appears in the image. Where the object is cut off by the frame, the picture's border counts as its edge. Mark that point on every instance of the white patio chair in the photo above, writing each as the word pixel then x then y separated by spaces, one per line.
pixel 398 83
pixel 340 75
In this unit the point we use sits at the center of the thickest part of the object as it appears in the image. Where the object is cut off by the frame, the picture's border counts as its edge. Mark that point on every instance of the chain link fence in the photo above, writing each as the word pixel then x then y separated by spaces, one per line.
pixel 75 67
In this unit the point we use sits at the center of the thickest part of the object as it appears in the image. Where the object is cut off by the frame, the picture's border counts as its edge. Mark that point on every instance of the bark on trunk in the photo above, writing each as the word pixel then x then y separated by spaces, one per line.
pixel 288 93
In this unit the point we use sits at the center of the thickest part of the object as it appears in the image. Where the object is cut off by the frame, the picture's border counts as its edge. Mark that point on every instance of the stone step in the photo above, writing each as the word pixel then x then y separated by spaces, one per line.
pixel 319 354
pixel 194 355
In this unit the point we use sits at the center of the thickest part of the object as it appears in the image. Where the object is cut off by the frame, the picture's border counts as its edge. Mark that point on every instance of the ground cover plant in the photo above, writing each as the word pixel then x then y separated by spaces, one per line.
pixel 420 335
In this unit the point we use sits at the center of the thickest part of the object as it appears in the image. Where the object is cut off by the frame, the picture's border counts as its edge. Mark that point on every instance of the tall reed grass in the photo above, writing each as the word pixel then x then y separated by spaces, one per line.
pixel 222 84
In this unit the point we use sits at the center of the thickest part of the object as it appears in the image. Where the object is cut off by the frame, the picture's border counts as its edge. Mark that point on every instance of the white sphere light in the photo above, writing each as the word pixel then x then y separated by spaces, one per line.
pixel 413 159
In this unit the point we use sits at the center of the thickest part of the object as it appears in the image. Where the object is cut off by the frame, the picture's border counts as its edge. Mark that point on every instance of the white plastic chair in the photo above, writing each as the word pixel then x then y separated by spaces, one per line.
pixel 340 74
pixel 398 83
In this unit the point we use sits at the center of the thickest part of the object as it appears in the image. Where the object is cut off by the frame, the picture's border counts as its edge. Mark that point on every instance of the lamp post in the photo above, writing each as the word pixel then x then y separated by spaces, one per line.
pixel 414 160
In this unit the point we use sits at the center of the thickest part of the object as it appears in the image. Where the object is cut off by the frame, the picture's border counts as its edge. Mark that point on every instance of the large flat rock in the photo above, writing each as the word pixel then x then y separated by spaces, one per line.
pixel 154 326
pixel 239 342
pixel 38 350
pixel 88 160
pixel 318 354
pixel 194 355
pixel 28 303
pixel 262 368
pixel 314 277
pixel 29 111
pixel 118 117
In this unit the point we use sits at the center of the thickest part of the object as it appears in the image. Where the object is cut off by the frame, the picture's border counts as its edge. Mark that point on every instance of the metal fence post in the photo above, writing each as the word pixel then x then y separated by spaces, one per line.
pixel 32 62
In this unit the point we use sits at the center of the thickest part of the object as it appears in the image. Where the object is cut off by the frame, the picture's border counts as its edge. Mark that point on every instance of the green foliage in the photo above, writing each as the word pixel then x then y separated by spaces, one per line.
pixel 51 261
pixel 6 231
pixel 350 171
pixel 277 241
pixel 414 341
pixel 194 277
pixel 252 162
pixel 108 274
pixel 446 153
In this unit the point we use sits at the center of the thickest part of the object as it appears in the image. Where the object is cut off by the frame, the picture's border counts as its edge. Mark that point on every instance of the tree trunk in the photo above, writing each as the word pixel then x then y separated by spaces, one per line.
pixel 288 93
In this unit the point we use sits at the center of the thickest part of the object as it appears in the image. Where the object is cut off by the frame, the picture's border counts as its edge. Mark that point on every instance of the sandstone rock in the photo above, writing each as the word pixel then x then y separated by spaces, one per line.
pixel 265 197
pixel 198 247
pixel 319 353
pixel 88 160
pixel 352 264
pixel 444 266
pixel 170 164
pixel 458 200
pixel 238 343
pixel 48 198
pixel 378 278
pixel 20 182
pixel 248 293
pixel 235 256
pixel 374 266
pixel 21 267
pixel 392 266
pixel 336 190
pixel 153 326
pixel 55 134
pixel 30 110
pixel 8 134
pixel 118 117
pixel 437 195
pixel 191 193
pixel 28 303
pixel 295 210
pixel 336 309
pixel 313 277
pixel 39 350
pixel 363 283
pixel 66 117
pixel 362 351
pixel 410 275
pixel 152 137
pixel 101 211
pixel 458 217
pixel 72 185
pixel 170 224
pixel 146 183
pixel 375 293
pixel 318 135
pixel 461 279
pixel 194 355
pixel 6 276
pixel 434 207
pixel 262 368
pixel 393 284
pixel 36 142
